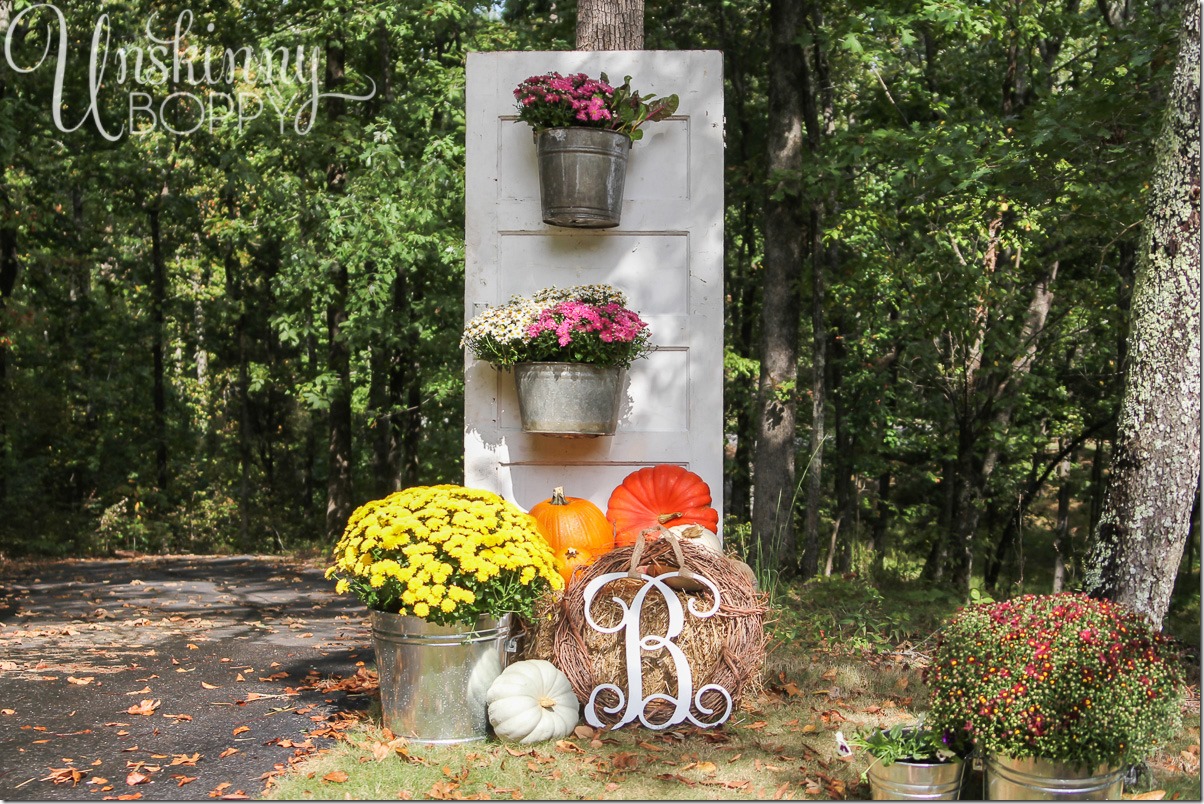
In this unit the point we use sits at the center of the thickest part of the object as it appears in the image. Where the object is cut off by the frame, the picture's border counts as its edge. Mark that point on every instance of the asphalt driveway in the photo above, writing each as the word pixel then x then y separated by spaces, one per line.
pixel 190 677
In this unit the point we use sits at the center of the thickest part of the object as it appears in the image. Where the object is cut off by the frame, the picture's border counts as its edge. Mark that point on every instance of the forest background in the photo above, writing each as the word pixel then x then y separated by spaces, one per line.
pixel 226 339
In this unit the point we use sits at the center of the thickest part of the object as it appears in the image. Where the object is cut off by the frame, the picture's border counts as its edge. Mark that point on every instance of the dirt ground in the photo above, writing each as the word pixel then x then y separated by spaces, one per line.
pixel 188 677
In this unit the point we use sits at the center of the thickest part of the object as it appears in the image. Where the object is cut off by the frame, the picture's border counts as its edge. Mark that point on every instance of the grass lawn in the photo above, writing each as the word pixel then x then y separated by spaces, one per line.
pixel 845 655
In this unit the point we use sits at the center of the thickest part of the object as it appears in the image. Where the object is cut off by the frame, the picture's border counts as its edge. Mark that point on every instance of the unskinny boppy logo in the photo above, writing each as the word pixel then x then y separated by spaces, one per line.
pixel 204 89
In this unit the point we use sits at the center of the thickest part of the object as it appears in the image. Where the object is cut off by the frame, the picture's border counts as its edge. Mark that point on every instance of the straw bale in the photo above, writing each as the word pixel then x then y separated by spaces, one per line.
pixel 727 648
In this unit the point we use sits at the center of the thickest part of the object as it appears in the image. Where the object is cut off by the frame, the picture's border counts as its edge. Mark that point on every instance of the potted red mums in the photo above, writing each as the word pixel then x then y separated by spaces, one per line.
pixel 1059 693
pixel 583 129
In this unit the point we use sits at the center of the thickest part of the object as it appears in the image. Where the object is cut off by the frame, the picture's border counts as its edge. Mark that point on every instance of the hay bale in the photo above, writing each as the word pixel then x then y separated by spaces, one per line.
pixel 727 648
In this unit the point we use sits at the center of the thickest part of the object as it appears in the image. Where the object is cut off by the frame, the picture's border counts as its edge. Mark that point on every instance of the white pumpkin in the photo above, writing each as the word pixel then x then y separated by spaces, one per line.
pixel 532 701
pixel 698 536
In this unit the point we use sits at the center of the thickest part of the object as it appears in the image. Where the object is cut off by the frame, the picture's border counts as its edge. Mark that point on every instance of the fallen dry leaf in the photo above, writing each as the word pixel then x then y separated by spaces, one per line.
pixel 207 686
pixel 229 752
pixel 185 759
pixel 147 707
pixel 624 760
pixel 64 775
pixel 241 730
pixel 338 777
pixel 98 780
pixel 8 711
pixel 83 682
pixel 217 791
pixel 569 746
pixel 182 779
pixel 676 777
pixel 179 718
pixel 137 777
pixel 124 797
pixel 1152 795
pixel 142 691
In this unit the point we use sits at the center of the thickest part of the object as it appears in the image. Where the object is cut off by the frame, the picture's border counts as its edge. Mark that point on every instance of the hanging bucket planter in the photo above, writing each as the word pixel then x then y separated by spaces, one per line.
pixel 581 176
pixel 1034 779
pixel 433 678
pixel 569 399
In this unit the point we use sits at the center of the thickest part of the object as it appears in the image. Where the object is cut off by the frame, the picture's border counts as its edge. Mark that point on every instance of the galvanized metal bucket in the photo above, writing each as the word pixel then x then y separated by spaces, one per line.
pixel 581 176
pixel 1032 779
pixel 568 399
pixel 433 678
pixel 917 781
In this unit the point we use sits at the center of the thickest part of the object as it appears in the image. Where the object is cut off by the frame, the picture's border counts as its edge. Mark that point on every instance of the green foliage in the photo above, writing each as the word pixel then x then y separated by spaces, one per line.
pixel 633 110
pixel 903 743
pixel 838 614
pixel 963 150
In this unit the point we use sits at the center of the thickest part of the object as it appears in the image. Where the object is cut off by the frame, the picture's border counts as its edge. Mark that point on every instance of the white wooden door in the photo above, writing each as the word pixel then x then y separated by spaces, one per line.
pixel 666 255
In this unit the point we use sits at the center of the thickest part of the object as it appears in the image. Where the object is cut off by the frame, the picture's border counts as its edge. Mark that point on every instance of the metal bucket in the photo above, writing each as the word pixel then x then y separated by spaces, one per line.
pixel 568 399
pixel 1033 779
pixel 581 176
pixel 433 678
pixel 917 781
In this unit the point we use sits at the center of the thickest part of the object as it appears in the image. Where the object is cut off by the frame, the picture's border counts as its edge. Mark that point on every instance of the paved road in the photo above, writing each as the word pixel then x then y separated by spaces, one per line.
pixel 155 667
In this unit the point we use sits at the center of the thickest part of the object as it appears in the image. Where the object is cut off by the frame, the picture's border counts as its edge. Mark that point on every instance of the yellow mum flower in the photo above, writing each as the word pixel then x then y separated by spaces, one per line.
pixel 423 546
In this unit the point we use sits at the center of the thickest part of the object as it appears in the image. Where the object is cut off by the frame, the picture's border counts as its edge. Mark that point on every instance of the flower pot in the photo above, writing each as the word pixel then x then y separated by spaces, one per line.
pixel 433 678
pixel 917 781
pixel 568 399
pixel 1034 779
pixel 581 176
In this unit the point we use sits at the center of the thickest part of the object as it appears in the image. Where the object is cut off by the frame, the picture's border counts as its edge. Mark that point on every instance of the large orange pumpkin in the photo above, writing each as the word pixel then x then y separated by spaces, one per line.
pixel 659 495
pixel 573 522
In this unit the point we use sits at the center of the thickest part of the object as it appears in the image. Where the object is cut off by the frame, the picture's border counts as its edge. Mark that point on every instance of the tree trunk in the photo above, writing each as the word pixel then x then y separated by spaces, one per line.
pixel 610 25
pixel 1003 397
pixel 879 530
pixel 158 302
pixel 236 289
pixel 819 362
pixel 339 479
pixel 1156 460
pixel 381 411
pixel 1062 528
pixel 9 271
pixel 777 392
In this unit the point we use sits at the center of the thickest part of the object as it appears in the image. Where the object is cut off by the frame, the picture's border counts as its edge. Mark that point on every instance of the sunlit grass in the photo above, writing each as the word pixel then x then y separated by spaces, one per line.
pixel 845 655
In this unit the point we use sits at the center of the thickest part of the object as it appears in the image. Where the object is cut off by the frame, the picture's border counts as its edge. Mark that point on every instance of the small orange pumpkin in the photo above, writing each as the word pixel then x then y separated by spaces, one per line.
pixel 573 522
pixel 569 559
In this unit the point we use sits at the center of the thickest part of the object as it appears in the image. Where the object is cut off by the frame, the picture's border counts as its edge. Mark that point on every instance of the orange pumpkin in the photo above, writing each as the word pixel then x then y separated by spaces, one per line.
pixel 573 522
pixel 659 495
pixel 569 559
